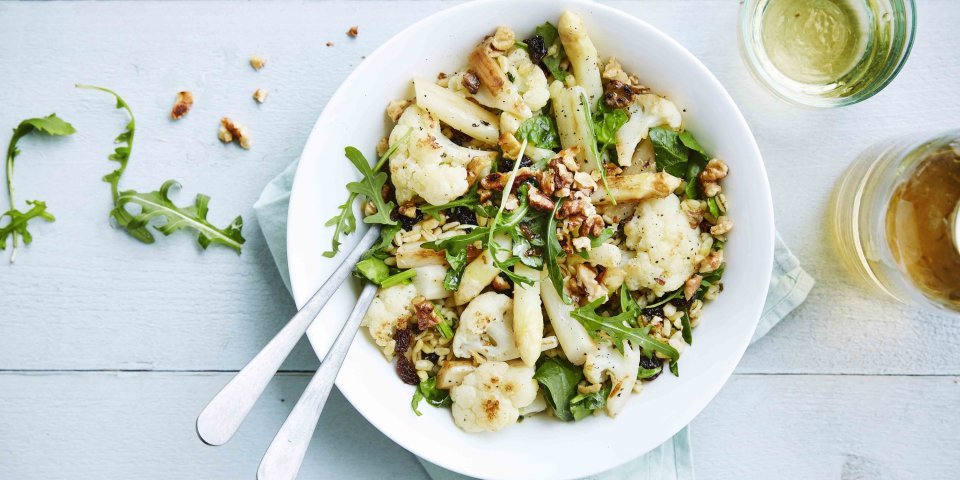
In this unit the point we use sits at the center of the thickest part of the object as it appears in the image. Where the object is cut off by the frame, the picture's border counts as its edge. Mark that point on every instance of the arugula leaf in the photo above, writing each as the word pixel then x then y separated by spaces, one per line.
pixel 18 222
pixel 427 390
pixel 492 245
pixel 378 250
pixel 553 253
pixel 666 298
pixel 345 222
pixel 157 204
pixel 605 235
pixel 675 368
pixel 541 131
pixel 370 187
pixel 670 152
pixel 619 330
pixel 687 329
pixel 457 262
pixel 582 406
pixel 51 125
pixel 559 378
pixel 548 32
pixel 606 123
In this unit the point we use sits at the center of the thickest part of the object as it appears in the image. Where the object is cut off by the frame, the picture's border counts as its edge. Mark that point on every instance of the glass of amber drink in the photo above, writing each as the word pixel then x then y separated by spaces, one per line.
pixel 894 216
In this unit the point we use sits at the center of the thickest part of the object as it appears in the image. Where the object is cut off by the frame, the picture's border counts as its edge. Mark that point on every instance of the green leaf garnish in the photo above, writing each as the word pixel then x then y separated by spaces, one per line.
pixel 157 204
pixel 551 37
pixel 17 226
pixel 606 123
pixel 457 262
pixel 370 186
pixel 373 269
pixel 559 378
pixel 593 146
pixel 345 222
pixel 541 131
pixel 671 154
pixel 582 406
pixel 427 390
pixel 553 253
pixel 619 329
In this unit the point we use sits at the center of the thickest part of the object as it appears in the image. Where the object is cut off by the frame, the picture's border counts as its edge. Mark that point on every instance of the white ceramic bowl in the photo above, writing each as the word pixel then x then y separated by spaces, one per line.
pixel 539 447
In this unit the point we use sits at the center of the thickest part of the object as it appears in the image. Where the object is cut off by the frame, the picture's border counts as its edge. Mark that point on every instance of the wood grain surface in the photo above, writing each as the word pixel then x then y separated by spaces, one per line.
pixel 109 348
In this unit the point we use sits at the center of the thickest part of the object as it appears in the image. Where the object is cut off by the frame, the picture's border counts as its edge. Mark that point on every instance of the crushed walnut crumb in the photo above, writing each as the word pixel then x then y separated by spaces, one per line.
pixel 257 62
pixel 330 44
pixel 182 105
pixel 231 131
pixel 260 95
pixel 353 32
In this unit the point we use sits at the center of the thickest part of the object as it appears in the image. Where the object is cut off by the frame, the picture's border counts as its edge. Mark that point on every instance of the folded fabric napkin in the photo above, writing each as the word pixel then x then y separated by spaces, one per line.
pixel 673 460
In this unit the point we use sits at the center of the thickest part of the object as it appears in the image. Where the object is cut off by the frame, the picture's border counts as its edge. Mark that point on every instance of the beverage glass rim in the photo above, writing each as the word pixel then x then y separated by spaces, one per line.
pixel 748 51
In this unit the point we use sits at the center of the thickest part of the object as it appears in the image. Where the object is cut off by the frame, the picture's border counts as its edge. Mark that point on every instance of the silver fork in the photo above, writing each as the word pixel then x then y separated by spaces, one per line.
pixel 221 418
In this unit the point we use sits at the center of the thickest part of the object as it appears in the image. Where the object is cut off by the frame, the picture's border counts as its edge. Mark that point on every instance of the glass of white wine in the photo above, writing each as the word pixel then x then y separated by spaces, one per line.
pixel 895 219
pixel 826 53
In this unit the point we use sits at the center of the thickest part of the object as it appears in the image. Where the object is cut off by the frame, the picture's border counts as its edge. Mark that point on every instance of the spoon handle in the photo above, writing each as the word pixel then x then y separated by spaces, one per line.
pixel 285 455
pixel 221 418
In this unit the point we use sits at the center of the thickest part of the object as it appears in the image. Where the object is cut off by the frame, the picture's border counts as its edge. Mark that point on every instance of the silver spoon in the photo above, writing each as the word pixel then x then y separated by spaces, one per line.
pixel 221 418
pixel 285 455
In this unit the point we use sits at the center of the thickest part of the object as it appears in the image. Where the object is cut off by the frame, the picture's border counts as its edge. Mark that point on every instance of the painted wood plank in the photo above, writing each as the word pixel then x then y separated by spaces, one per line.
pixel 86 297
pixel 140 425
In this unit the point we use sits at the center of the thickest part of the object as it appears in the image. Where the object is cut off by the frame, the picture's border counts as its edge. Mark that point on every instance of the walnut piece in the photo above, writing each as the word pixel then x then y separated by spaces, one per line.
pixel 539 200
pixel 470 81
pixel 617 94
pixel 182 105
pixel 353 32
pixel 558 178
pixel 613 71
pixel 426 313
pixel 711 175
pixel 691 286
pixel 260 95
pixel 712 262
pixel 257 62
pixel 724 224
pixel 230 131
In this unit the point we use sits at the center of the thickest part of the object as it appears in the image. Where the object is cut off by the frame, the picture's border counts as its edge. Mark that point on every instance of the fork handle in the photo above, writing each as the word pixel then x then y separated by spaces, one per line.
pixel 221 418
pixel 285 455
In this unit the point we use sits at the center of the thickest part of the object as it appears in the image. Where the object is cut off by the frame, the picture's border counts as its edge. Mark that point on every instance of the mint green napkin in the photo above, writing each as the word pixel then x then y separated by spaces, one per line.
pixel 673 460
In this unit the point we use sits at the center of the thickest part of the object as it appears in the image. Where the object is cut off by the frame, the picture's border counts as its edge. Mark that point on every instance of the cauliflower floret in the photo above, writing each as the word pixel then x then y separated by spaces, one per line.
pixel 530 80
pixel 490 397
pixel 664 244
pixel 428 164
pixel 486 328
pixel 621 368
pixel 646 111
pixel 390 309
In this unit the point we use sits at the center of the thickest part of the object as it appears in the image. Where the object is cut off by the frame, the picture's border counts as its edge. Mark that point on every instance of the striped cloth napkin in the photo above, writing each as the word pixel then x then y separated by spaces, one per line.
pixel 673 460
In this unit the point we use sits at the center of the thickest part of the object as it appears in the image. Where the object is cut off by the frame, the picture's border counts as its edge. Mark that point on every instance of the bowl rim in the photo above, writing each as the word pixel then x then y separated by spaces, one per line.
pixel 766 252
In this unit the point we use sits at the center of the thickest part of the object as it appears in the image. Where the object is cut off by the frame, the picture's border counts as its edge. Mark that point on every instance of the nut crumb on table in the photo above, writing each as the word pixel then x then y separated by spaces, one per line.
pixel 230 131
pixel 353 32
pixel 182 106
pixel 257 62
pixel 260 95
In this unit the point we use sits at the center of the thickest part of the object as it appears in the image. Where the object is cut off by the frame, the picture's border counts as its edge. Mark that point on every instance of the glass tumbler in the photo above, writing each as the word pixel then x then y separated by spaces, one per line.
pixel 826 53
pixel 894 219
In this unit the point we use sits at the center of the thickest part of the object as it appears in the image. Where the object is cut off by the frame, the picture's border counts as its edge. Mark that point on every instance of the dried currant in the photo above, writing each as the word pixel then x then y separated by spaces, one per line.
pixel 406 371
pixel 536 48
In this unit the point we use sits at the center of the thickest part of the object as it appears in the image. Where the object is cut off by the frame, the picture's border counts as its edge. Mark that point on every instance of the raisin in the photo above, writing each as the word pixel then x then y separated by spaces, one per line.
pixel 433 357
pixel 536 48
pixel 654 311
pixel 506 165
pixel 402 337
pixel 463 215
pixel 407 223
pixel 460 138
pixel 406 371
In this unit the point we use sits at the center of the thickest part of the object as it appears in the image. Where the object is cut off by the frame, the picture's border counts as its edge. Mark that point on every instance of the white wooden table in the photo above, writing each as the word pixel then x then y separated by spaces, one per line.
pixel 109 348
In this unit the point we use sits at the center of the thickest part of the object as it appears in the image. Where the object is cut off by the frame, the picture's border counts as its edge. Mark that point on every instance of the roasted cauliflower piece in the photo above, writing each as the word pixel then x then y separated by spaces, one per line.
pixel 486 329
pixel 428 164
pixel 621 368
pixel 391 309
pixel 490 398
pixel 664 246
